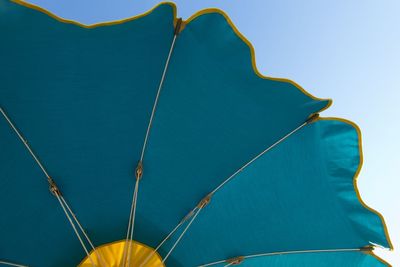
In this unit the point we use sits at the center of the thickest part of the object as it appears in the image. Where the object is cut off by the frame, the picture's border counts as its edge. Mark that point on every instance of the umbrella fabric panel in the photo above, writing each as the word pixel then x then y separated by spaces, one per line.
pixel 298 196
pixel 339 259
pixel 82 98
pixel 215 113
pixel 344 152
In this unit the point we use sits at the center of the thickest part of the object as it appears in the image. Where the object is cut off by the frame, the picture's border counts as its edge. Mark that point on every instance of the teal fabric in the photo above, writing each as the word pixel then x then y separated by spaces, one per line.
pixel 298 196
pixel 83 98
pixel 214 115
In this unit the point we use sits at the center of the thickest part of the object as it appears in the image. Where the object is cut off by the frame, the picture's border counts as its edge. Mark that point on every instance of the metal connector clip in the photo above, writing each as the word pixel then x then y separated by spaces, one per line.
pixel 312 118
pixel 235 261
pixel 139 170
pixel 367 249
pixel 53 187
pixel 204 202
pixel 178 26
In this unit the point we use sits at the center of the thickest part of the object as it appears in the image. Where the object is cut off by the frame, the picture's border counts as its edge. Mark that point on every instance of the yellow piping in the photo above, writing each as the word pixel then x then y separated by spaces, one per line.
pixel 379 258
pixel 252 52
pixel 91 26
pixel 355 126
pixel 185 22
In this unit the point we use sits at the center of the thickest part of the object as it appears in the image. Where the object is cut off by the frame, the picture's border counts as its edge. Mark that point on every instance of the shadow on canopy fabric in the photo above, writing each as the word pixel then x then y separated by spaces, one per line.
pixel 83 97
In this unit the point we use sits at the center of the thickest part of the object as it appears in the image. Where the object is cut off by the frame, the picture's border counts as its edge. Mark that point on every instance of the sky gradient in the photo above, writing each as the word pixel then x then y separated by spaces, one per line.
pixel 347 51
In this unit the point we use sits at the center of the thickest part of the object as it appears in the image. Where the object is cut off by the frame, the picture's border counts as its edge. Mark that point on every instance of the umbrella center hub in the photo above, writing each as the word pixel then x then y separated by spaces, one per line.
pixel 114 254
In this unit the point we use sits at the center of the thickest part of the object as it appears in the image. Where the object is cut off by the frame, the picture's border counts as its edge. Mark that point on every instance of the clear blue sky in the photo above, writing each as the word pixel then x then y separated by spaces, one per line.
pixel 345 50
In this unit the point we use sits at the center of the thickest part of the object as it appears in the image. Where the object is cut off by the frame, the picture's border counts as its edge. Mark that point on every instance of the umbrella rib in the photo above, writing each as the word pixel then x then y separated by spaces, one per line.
pixel 182 234
pixel 238 260
pixel 206 200
pixel 12 264
pixel 129 235
pixel 99 256
pixel 187 217
pixel 171 49
pixel 129 227
pixel 52 186
pixel 259 155
pixel 25 142
pixel 192 215
pixel 74 228
pixel 139 168
pixel 153 111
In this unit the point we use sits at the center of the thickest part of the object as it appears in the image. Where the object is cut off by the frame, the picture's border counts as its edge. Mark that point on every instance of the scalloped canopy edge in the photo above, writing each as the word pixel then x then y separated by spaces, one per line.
pixel 252 52
pixel 185 22
pixel 357 191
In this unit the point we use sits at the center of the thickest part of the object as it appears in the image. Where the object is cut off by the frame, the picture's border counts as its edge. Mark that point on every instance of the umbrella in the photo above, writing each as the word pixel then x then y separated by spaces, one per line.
pixel 154 141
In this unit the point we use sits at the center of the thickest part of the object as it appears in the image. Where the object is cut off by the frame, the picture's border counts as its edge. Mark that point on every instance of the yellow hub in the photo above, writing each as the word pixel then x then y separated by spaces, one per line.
pixel 111 255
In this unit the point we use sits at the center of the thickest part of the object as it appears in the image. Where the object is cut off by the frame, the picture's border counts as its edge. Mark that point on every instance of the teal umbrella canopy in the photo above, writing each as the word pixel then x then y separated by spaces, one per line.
pixel 162 131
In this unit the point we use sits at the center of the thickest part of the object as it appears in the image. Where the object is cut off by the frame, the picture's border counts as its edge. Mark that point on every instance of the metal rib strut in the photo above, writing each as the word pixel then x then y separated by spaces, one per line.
pixel 139 169
pixel 240 259
pixel 54 190
pixel 207 199
pixel 12 264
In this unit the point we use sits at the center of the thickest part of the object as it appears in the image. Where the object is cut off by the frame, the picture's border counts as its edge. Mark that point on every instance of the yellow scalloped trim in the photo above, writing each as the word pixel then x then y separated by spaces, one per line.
pixel 91 26
pixel 185 22
pixel 357 128
pixel 252 52
pixel 379 258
